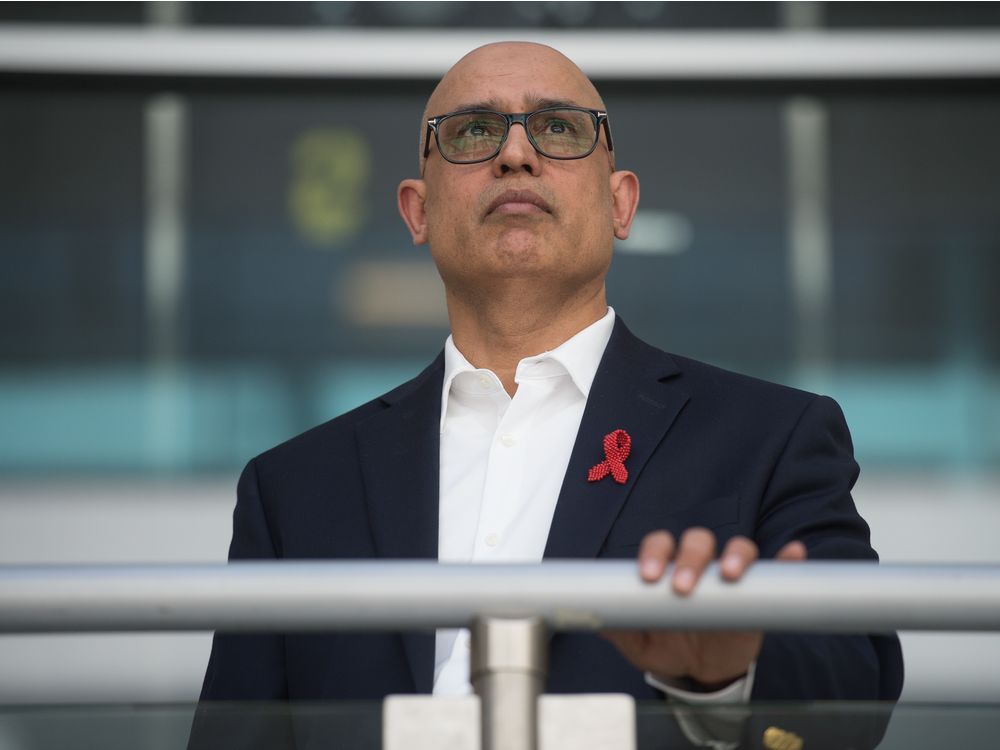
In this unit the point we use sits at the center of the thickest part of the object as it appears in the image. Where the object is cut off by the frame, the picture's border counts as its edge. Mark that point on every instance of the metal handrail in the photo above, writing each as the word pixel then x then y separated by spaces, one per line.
pixel 565 595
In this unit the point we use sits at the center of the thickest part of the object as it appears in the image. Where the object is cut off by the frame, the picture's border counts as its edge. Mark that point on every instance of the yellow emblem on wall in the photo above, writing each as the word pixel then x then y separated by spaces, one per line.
pixel 331 169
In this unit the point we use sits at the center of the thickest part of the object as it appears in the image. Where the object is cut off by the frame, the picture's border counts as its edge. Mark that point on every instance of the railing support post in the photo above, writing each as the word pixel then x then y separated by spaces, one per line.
pixel 508 665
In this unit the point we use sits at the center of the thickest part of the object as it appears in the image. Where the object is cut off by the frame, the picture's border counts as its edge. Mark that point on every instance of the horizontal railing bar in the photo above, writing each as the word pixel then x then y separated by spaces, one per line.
pixel 427 53
pixel 567 595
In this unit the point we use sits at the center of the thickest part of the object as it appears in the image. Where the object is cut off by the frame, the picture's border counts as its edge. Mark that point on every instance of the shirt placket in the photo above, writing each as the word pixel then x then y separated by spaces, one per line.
pixel 504 476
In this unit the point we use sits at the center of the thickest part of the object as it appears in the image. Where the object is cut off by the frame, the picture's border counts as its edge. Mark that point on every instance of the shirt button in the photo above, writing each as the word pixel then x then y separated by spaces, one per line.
pixel 485 382
pixel 508 440
pixel 491 539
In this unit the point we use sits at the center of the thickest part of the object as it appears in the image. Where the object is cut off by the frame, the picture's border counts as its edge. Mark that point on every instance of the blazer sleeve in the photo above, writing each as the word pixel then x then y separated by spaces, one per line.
pixel 245 667
pixel 809 498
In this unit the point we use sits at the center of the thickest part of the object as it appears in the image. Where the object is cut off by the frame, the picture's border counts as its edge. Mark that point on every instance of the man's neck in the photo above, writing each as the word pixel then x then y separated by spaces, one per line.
pixel 496 334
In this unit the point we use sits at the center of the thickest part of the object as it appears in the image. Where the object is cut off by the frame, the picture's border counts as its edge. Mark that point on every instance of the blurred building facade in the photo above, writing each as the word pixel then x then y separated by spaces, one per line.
pixel 198 265
pixel 199 268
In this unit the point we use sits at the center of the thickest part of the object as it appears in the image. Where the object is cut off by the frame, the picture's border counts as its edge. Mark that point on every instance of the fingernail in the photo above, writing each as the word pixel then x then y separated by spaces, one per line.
pixel 684 579
pixel 649 567
pixel 731 564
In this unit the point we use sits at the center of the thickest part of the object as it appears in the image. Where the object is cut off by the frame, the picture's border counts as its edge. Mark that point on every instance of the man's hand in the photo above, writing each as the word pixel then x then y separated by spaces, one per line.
pixel 712 659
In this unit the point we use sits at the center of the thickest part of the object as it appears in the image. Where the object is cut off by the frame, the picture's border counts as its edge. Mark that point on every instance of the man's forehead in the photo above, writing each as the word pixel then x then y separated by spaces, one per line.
pixel 513 77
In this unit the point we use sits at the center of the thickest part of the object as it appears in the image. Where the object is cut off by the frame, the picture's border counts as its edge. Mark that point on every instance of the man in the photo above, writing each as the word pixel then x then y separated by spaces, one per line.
pixel 545 429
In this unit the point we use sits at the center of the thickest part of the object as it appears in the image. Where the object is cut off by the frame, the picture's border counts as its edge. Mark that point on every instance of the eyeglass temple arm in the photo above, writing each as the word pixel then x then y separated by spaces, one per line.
pixel 427 139
pixel 603 116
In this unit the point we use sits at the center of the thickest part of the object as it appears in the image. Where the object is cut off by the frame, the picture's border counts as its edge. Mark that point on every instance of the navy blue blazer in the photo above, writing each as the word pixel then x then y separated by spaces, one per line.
pixel 709 448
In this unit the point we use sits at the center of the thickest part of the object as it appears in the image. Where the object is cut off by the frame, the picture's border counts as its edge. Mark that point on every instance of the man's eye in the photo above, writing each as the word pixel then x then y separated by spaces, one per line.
pixel 557 127
pixel 475 128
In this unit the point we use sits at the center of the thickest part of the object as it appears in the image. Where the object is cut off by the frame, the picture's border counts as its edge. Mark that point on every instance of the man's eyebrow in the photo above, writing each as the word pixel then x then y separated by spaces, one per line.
pixel 533 104
pixel 491 104
pixel 544 103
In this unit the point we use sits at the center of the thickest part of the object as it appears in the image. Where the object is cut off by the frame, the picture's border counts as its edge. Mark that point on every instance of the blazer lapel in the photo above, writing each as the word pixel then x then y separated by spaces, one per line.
pixel 399 455
pixel 632 391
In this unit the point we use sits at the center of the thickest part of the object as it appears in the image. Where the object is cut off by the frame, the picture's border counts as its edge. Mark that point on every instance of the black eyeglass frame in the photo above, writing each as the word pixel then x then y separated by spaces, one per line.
pixel 600 118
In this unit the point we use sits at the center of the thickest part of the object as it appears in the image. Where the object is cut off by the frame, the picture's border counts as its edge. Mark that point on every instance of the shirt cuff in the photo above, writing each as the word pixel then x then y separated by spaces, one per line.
pixel 713 720
pixel 736 692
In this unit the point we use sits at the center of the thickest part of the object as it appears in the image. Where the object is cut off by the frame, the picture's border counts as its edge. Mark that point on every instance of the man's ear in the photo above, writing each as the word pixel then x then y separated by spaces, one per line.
pixel 625 199
pixel 410 198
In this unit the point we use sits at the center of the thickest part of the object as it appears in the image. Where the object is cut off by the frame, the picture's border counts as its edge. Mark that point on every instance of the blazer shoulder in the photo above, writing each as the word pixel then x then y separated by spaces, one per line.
pixel 325 437
pixel 700 378
pixel 728 384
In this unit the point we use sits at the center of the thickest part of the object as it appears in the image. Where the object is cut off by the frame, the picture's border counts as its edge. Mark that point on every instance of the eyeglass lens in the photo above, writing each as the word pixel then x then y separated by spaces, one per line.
pixel 559 133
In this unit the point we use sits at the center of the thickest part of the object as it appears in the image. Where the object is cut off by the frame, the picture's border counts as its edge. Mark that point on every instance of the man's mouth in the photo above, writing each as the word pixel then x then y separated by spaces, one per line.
pixel 513 202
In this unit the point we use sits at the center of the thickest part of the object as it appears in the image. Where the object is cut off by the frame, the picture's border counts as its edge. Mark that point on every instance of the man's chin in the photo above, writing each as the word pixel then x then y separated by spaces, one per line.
pixel 523 251
pixel 520 238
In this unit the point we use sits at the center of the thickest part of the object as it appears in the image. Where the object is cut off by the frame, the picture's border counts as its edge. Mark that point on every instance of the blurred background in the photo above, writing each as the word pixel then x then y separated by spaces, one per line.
pixel 201 257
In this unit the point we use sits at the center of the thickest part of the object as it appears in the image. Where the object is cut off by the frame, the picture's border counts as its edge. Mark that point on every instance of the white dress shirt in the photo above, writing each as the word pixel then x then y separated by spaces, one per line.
pixel 503 460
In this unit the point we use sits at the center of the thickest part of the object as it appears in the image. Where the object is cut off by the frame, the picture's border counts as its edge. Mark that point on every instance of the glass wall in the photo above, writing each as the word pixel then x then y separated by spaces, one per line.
pixel 195 269
pixel 191 277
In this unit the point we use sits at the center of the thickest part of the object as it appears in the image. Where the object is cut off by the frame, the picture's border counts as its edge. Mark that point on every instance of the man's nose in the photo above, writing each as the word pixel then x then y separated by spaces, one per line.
pixel 517 154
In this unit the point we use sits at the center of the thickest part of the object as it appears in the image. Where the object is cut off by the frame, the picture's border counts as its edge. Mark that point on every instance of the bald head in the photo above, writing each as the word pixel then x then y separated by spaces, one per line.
pixel 485 76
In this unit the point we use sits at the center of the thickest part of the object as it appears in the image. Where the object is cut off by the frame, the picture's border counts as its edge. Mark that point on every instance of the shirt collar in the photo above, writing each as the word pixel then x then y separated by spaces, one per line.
pixel 579 355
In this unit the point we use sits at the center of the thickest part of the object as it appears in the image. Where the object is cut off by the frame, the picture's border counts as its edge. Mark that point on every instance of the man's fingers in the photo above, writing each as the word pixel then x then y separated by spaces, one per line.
pixel 792 551
pixel 738 555
pixel 654 553
pixel 697 548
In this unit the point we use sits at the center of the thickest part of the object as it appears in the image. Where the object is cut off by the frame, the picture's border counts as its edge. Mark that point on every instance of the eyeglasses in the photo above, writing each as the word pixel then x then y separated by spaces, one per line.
pixel 475 135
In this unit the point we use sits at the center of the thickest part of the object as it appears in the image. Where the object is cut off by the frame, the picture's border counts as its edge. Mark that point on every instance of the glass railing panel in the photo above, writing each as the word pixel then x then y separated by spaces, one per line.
pixel 358 726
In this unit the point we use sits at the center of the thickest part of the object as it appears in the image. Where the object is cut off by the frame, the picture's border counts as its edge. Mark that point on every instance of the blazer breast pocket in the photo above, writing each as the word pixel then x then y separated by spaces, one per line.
pixel 720 514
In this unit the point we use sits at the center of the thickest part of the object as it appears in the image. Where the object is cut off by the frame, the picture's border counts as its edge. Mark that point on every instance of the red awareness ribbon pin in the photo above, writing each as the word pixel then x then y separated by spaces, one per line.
pixel 617 446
